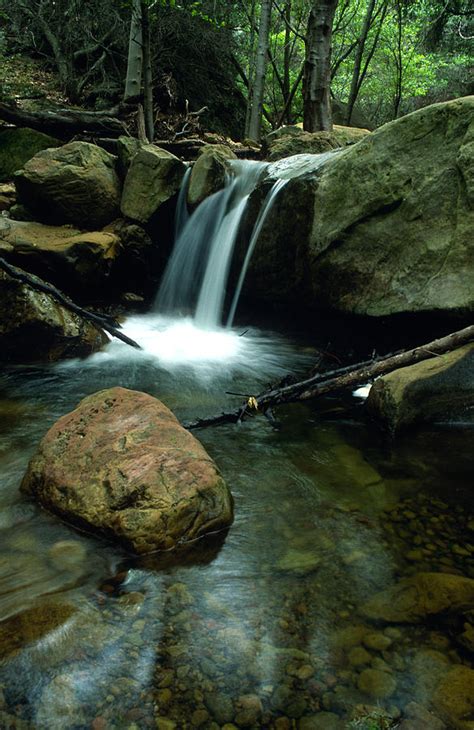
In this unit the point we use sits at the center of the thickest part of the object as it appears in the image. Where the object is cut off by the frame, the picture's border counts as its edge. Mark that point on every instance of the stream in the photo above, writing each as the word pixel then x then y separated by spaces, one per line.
pixel 259 627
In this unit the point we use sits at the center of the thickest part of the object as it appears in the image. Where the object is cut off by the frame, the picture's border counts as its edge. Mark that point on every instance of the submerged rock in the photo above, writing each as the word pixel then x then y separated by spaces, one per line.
pixel 437 389
pixel 454 698
pixel 34 327
pixel 154 176
pixel 121 464
pixel 76 183
pixel 414 599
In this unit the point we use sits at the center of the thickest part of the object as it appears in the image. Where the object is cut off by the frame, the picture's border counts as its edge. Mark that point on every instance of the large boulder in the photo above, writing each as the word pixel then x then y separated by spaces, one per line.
pixel 209 172
pixel 73 260
pixel 383 227
pixel 17 146
pixel 154 176
pixel 121 464
pixel 34 327
pixel 414 599
pixel 437 389
pixel 76 183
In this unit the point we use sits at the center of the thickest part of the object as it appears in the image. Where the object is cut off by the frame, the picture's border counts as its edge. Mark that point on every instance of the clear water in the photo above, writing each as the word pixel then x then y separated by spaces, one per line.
pixel 255 627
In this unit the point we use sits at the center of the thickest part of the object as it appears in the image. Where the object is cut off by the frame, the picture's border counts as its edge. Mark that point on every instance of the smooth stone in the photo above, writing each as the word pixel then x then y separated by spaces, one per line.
pixel 378 685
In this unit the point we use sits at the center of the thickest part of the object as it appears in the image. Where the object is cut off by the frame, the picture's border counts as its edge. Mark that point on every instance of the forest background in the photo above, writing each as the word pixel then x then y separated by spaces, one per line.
pixel 246 62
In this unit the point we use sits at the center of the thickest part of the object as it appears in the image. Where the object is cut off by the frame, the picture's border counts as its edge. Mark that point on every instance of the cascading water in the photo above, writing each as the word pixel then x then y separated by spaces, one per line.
pixel 264 210
pixel 196 276
pixel 195 279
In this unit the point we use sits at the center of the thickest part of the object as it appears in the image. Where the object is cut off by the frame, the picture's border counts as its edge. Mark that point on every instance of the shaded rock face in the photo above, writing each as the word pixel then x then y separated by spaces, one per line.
pixel 414 599
pixel 76 183
pixel 121 464
pixel 292 140
pixel 7 196
pixel 28 316
pixel 153 178
pixel 390 226
pixel 134 270
pixel 73 260
pixel 209 172
pixel 17 146
pixel 433 390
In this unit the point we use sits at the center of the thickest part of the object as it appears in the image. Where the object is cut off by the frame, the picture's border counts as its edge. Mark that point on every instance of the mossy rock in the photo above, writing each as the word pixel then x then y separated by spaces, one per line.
pixel 438 389
pixel 17 146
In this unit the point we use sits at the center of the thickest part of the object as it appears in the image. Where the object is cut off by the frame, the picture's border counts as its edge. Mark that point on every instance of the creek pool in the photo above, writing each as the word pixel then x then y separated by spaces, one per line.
pixel 259 627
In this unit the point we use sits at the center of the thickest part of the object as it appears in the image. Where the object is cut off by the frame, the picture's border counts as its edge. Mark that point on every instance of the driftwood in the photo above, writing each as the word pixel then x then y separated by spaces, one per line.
pixel 336 380
pixel 103 321
pixel 65 123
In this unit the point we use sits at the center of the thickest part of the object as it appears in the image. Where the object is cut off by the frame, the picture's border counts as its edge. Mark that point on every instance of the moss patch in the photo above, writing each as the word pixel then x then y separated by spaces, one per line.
pixel 17 146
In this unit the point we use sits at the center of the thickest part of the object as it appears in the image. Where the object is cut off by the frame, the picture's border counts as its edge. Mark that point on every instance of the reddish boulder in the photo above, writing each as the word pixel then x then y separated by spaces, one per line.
pixel 122 465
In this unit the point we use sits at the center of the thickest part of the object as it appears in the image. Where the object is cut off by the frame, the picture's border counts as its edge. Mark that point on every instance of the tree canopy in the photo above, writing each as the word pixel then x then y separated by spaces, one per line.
pixel 387 58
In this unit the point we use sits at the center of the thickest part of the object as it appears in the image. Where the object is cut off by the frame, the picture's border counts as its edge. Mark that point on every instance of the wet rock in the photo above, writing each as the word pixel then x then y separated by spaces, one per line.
pixel 153 178
pixel 131 472
pixel 7 196
pixel 32 625
pixel 438 389
pixel 358 656
pixel 321 721
pixel 58 705
pixel 76 183
pixel 377 641
pixel 17 146
pixel 73 260
pixel 68 554
pixel 209 172
pixel 454 698
pixel 292 140
pixel 33 327
pixel 378 685
pixel 425 594
pixel 221 707
pixel 249 710
pixel 199 718
pixel 299 561
pixel 422 717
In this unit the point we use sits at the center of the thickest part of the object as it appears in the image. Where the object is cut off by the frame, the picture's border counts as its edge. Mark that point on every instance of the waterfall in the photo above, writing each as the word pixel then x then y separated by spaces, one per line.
pixel 264 210
pixel 182 213
pixel 195 278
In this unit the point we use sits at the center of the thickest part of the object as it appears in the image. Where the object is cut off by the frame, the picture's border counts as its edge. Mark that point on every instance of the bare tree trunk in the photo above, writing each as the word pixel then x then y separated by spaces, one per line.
pixel 317 76
pixel 355 82
pixel 249 76
pixel 261 67
pixel 286 64
pixel 147 76
pixel 133 81
pixel 398 62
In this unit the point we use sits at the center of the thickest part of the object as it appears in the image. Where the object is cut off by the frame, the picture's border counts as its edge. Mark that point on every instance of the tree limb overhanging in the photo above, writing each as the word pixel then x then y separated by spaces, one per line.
pixel 336 380
pixel 103 321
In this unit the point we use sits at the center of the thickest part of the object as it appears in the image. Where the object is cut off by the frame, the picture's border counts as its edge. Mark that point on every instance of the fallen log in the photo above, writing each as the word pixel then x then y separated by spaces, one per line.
pixel 336 380
pixel 64 123
pixel 103 321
